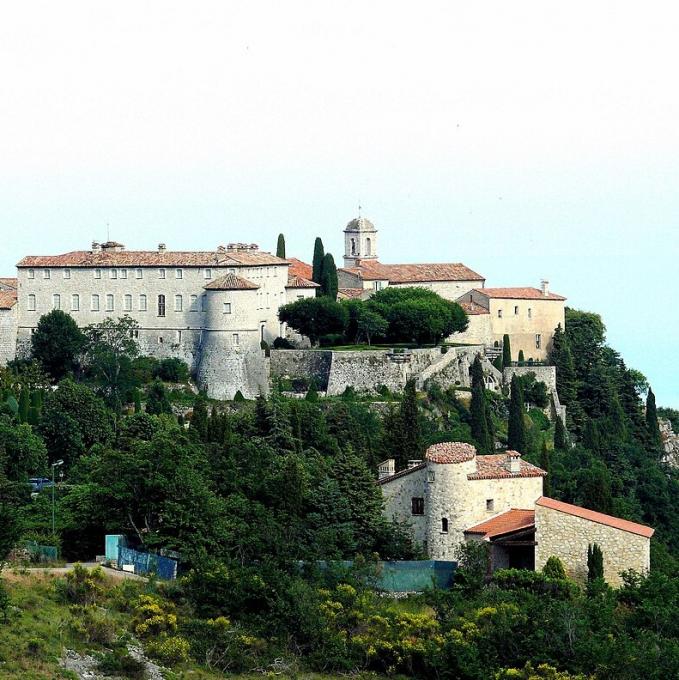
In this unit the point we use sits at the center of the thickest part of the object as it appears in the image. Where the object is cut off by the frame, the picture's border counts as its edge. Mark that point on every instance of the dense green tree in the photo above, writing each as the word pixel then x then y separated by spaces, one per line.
pixel 417 315
pixel 329 282
pixel 652 419
pixel 546 464
pixel 409 418
pixel 506 351
pixel 22 452
pixel 554 568
pixel 560 355
pixel 157 400
pixel 317 262
pixel 560 435
pixel 280 246
pixel 479 410
pixel 595 491
pixel 522 358
pixel 12 497
pixel 57 343
pixel 199 418
pixel 516 426
pixel 314 317
pixel 24 405
pixel 370 324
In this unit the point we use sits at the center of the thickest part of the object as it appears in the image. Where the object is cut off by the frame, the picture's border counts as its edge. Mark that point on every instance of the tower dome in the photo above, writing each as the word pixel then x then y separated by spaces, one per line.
pixel 360 242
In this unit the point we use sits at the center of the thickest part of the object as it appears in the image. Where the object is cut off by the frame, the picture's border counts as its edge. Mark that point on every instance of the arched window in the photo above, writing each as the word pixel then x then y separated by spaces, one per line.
pixel 178 303
pixel 161 305
pixel 353 246
pixel 56 301
pixel 109 303
pixel 368 247
pixel 444 525
pixel 75 302
pixel 95 303
pixel 127 303
pixel 31 303
pixel 142 303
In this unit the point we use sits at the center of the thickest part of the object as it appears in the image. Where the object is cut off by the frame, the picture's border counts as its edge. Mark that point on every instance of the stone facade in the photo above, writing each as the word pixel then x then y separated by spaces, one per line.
pixel 567 537
pixel 8 333
pixel 670 442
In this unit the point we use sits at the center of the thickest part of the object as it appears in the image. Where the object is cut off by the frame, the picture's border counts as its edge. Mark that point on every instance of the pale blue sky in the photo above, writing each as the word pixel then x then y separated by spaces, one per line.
pixel 526 140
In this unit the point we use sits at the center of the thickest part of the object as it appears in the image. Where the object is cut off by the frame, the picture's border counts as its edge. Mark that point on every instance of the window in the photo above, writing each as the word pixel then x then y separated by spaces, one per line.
pixel 431 476
pixel 499 313
pixel 227 308
pixel 353 246
pixel 31 273
pixel 207 273
pixel 179 273
pixel 142 303
pixel 67 273
pixel 113 274
pixel 444 525
pixel 47 274
pixel 417 506
pixel 516 309
pixel 161 273
pixel 31 303
pixel 194 303
pixel 123 273
pixel 97 273
pixel 127 303
pixel 368 246
pixel 490 504
pixel 56 301
pixel 95 303
pixel 138 273
pixel 178 303
pixel 134 333
pixel 538 341
pixel 530 313
pixel 161 305
pixel 109 303
pixel 75 302
pixel 236 339
pixel 160 340
pixel 203 302
pixel 300 297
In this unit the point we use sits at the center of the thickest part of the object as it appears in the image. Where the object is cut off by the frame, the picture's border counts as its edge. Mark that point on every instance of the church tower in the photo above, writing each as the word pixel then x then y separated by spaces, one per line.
pixel 360 241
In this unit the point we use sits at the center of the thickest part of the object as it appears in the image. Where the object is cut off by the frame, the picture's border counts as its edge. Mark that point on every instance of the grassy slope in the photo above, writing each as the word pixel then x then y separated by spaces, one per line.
pixel 37 630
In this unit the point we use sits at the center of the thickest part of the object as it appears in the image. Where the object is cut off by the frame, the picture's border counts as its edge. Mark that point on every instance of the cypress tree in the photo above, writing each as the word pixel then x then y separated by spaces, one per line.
pixel 199 418
pixel 329 282
pixel 651 418
pixel 506 352
pixel 24 404
pixel 478 409
pixel 280 246
pixel 157 401
pixel 497 362
pixel 410 424
pixel 595 562
pixel 546 465
pixel 317 262
pixel 560 355
pixel 136 396
pixel 560 438
pixel 522 358
pixel 516 427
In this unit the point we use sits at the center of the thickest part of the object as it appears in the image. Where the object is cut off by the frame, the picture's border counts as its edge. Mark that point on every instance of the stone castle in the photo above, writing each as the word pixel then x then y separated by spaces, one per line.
pixel 213 309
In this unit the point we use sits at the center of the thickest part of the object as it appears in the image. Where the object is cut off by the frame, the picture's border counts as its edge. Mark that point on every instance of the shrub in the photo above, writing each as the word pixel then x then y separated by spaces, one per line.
pixel 170 650
pixel 282 343
pixel 171 370
pixel 35 647
pixel 121 664
pixel 92 624
pixel 153 616
pixel 554 568
pixel 4 601
pixel 80 585
pixel 238 397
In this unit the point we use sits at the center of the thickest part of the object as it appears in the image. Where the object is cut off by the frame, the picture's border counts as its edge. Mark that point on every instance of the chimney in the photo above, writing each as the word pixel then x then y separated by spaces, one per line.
pixel 513 463
pixel 544 287
pixel 161 247
pixel 386 468
pixel 96 247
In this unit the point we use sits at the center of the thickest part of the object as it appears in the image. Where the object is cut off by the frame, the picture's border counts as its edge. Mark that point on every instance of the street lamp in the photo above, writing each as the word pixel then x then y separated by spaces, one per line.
pixel 54 465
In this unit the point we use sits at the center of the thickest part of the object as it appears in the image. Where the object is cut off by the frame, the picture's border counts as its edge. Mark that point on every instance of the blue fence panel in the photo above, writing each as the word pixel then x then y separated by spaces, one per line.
pixel 147 563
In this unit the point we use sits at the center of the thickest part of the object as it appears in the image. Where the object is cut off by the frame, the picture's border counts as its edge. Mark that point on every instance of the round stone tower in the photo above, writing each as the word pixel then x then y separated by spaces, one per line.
pixel 360 241
pixel 448 465
pixel 231 358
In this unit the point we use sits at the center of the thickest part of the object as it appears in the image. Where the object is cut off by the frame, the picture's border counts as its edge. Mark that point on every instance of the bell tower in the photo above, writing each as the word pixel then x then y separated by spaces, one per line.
pixel 360 241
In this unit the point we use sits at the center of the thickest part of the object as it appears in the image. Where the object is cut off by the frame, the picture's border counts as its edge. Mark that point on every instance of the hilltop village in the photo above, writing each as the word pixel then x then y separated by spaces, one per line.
pixel 218 311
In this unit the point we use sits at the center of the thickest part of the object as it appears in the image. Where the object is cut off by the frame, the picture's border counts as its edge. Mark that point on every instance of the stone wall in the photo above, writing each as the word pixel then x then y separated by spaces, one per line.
pixel 302 363
pixel 398 494
pixel 545 374
pixel 670 443
pixel 8 334
pixel 567 537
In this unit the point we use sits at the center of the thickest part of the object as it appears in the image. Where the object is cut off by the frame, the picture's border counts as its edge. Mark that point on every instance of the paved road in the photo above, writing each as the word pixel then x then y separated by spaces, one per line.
pixel 115 573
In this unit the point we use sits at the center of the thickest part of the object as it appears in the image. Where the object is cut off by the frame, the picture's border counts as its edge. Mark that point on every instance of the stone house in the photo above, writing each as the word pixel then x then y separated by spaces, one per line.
pixel 455 495
pixel 8 319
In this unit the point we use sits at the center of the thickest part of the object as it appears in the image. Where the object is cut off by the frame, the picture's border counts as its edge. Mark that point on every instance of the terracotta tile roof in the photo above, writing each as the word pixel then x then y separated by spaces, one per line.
pixel 6 283
pixel 473 309
pixel 402 473
pixel 525 293
pixel 371 270
pixel 350 293
pixel 231 282
pixel 450 452
pixel 152 258
pixel 494 466
pixel 300 282
pixel 7 299
pixel 599 517
pixel 299 268
pixel 505 523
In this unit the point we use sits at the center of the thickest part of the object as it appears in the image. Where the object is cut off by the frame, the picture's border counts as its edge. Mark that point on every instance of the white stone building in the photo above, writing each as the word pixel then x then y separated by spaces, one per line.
pixel 455 495
pixel 8 319
pixel 210 308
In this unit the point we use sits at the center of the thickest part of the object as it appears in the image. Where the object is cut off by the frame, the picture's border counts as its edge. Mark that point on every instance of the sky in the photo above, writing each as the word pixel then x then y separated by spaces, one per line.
pixel 528 140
